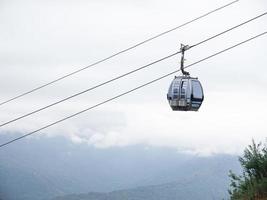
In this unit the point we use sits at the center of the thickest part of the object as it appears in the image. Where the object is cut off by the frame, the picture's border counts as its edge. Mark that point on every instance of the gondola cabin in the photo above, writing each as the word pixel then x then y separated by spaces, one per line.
pixel 185 94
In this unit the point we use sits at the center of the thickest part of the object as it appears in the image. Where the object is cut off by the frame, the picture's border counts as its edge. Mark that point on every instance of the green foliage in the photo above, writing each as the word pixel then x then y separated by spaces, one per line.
pixel 252 184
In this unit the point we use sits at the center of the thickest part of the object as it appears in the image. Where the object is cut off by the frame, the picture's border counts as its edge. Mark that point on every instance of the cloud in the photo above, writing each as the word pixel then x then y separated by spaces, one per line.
pixel 209 131
pixel 42 40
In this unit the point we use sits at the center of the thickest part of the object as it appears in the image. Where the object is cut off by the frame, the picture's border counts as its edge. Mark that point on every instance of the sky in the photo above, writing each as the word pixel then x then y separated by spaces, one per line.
pixel 43 40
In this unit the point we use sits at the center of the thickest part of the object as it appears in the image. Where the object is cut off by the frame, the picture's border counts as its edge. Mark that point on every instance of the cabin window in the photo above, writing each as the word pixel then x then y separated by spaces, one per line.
pixel 197 90
pixel 170 89
pixel 183 89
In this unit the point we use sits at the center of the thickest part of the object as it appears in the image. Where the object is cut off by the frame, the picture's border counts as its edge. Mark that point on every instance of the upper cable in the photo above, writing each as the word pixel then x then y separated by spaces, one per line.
pixel 183 49
pixel 127 92
pixel 116 54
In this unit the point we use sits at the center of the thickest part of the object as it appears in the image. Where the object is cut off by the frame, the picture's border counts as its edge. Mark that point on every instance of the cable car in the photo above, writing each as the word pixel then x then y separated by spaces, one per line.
pixel 185 93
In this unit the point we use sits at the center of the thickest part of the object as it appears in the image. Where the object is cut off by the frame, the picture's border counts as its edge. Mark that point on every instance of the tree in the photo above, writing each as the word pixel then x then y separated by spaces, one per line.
pixel 252 184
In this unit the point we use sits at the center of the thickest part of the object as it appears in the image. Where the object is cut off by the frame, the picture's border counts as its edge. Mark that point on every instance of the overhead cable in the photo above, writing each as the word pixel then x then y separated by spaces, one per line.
pixel 116 54
pixel 127 92
pixel 128 73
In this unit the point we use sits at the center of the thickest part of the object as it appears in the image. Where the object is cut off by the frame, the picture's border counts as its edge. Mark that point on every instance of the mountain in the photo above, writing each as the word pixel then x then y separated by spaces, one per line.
pixel 43 168
pixel 186 190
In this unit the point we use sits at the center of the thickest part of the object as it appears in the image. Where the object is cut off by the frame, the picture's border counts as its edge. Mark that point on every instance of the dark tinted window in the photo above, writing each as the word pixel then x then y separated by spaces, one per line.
pixel 197 90
pixel 170 89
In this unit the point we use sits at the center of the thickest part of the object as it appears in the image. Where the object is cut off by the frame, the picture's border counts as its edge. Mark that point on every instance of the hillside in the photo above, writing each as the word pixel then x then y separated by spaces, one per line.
pixel 198 188
pixel 58 168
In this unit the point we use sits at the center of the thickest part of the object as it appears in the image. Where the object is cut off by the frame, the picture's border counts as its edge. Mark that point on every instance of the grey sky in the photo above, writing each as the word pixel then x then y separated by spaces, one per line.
pixel 41 40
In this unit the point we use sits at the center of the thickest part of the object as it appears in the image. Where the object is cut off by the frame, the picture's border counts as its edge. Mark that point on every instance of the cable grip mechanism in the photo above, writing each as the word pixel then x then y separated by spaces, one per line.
pixel 183 49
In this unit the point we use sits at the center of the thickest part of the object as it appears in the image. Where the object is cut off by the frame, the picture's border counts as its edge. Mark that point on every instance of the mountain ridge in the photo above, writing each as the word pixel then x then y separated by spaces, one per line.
pixel 57 167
